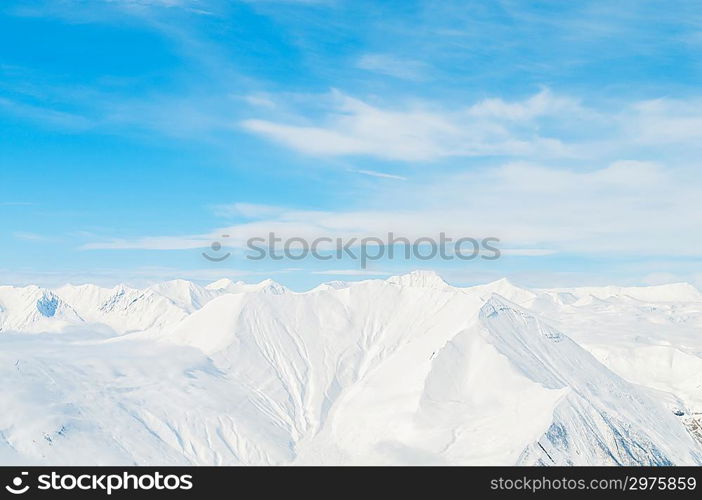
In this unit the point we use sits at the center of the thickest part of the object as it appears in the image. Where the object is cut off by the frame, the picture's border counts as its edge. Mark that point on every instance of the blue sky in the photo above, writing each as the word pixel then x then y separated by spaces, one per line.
pixel 136 132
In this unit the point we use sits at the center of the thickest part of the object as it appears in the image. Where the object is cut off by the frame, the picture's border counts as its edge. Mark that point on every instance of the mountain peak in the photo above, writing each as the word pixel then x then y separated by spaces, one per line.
pixel 223 284
pixel 332 285
pixel 503 288
pixel 270 286
pixel 179 284
pixel 419 279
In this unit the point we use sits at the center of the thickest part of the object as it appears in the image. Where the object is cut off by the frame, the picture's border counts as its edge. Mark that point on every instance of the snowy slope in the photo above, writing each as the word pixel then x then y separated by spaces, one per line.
pixel 404 370
pixel 606 419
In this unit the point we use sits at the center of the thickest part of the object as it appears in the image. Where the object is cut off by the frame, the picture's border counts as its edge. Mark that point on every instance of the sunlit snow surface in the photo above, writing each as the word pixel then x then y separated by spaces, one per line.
pixel 408 370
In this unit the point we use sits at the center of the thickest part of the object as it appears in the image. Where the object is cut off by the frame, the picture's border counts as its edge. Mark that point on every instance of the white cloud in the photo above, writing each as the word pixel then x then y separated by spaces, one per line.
pixel 542 126
pixel 387 64
pixel 27 236
pixel 528 252
pixel 52 117
pixel 421 132
pixel 248 210
pixel 542 104
pixel 382 175
pixel 152 243
pixel 634 208
pixel 160 3
pixel 259 100
pixel 666 121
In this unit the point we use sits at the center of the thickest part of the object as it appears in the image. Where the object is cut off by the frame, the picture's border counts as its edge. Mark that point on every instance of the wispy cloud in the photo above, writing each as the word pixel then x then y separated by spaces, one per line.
pixel 248 210
pixel 382 175
pixel 542 126
pixel 16 203
pixel 528 252
pixel 90 10
pixel 153 243
pixel 534 210
pixel 419 133
pixel 27 236
pixel 666 121
pixel 387 64
pixel 46 115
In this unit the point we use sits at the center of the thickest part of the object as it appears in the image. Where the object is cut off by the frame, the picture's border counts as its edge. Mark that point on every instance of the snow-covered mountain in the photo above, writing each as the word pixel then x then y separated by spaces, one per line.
pixel 229 286
pixel 34 309
pixel 399 371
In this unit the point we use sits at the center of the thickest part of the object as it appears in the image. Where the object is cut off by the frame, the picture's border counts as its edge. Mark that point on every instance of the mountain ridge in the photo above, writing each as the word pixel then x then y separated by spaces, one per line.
pixel 404 370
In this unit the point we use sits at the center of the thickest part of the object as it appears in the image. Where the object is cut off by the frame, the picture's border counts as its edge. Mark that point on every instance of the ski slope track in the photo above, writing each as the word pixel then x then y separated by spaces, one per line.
pixel 409 370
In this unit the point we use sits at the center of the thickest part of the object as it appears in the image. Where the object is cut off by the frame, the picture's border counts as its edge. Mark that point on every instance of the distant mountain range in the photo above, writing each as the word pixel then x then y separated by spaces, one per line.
pixel 408 370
